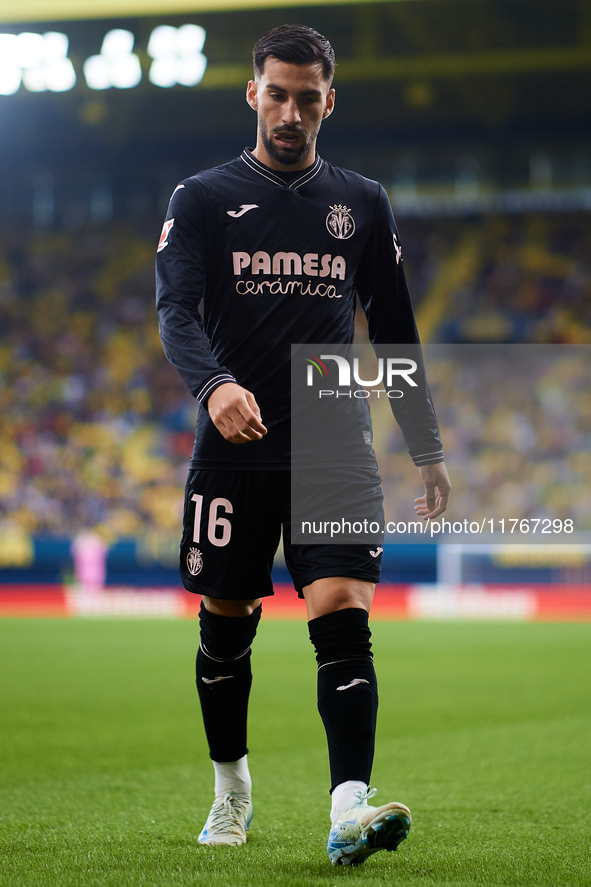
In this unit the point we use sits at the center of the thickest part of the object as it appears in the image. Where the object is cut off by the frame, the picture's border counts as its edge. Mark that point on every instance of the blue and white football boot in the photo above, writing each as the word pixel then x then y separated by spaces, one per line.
pixel 228 821
pixel 362 830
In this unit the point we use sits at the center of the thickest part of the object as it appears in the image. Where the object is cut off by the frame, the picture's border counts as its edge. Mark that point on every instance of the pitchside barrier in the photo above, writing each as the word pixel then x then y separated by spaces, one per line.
pixel 135 563
pixel 525 602
pixel 467 581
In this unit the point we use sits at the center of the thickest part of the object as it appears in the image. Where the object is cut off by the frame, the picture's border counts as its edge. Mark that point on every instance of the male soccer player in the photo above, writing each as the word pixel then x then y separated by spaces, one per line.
pixel 275 244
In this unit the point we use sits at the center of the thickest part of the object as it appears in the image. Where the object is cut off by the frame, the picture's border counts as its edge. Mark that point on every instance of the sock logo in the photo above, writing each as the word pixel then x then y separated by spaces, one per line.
pixel 353 683
pixel 222 677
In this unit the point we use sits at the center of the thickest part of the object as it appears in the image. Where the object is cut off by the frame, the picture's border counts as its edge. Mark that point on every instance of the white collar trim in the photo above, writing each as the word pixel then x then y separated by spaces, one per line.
pixel 264 171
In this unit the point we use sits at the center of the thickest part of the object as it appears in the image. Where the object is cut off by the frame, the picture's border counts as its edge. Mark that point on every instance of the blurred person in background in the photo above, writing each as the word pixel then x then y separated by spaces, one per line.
pixel 89 552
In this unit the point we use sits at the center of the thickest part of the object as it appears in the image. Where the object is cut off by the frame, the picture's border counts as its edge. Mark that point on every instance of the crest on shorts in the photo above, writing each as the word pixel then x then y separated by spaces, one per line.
pixel 340 222
pixel 194 561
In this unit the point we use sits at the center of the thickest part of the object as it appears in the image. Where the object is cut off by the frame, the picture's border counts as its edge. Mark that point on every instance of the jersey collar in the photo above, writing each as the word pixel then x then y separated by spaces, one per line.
pixel 266 173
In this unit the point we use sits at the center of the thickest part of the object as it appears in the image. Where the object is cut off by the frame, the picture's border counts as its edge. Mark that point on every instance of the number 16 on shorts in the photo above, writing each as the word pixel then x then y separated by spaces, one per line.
pixel 228 539
pixel 219 528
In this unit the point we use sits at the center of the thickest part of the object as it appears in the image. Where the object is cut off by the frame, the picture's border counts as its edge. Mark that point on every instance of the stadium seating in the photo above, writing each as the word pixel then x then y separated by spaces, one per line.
pixel 97 427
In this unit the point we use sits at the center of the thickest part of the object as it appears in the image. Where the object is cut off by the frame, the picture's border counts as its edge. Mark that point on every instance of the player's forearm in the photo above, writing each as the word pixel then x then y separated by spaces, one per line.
pixel 187 348
pixel 418 423
pixel 410 400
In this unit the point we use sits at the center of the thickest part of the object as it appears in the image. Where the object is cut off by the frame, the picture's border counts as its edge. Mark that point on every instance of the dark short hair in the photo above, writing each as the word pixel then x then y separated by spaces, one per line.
pixel 296 44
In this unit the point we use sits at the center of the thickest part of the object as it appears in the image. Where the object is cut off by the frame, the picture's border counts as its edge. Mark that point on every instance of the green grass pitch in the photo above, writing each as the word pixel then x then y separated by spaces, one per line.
pixel 484 731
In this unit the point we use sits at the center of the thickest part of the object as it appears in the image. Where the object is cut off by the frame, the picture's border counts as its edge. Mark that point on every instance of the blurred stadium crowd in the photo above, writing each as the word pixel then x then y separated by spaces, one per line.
pixel 94 431
pixel 96 427
pixel 516 424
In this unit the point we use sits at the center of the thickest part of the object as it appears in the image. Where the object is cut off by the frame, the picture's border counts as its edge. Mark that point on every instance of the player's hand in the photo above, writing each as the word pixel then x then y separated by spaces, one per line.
pixel 235 413
pixel 437 490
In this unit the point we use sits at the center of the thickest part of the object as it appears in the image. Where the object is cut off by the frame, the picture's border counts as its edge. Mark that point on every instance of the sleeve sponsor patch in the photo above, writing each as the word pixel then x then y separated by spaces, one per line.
pixel 165 232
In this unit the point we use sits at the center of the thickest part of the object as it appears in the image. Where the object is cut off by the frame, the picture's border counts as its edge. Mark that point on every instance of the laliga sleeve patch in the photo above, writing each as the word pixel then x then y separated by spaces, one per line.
pixel 165 232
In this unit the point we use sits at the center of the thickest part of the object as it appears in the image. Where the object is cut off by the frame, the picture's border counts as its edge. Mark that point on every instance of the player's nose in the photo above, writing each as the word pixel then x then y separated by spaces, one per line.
pixel 291 112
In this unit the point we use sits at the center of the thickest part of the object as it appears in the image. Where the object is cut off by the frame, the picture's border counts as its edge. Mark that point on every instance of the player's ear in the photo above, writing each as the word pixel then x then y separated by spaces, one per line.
pixel 329 106
pixel 252 94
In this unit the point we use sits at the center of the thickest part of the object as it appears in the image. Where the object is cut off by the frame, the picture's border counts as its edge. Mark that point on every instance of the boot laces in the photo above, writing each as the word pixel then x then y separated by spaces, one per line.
pixel 228 814
pixel 364 796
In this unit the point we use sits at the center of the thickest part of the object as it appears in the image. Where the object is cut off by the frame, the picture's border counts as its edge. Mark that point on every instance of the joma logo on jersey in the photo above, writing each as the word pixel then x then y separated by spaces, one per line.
pixel 290 264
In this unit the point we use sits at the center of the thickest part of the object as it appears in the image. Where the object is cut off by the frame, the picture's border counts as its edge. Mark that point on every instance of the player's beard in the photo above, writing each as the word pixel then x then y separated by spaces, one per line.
pixel 287 156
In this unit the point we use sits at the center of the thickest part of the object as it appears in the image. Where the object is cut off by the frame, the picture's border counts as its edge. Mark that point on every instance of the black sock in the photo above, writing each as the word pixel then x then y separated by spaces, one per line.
pixel 223 680
pixel 347 692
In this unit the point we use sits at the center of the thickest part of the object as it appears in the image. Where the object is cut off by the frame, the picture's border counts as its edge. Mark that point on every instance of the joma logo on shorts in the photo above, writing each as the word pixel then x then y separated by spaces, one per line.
pixel 290 263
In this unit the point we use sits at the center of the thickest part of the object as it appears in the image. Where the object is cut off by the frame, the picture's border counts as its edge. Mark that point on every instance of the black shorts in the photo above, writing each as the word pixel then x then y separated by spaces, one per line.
pixel 231 531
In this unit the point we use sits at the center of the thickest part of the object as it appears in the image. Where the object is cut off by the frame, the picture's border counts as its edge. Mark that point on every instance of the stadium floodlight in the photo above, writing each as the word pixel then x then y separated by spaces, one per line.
pixel 10 72
pixel 57 76
pixel 10 78
pixel 52 70
pixel 117 44
pixel 177 55
pixel 30 50
pixel 8 49
pixel 116 65
pixel 162 42
pixel 39 61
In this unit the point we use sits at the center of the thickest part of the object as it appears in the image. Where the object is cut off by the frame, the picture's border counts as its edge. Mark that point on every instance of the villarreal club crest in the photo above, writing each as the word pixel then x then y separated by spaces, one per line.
pixel 194 561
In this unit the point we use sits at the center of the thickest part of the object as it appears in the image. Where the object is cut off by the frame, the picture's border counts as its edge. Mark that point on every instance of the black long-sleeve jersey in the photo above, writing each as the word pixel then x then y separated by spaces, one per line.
pixel 276 261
